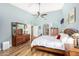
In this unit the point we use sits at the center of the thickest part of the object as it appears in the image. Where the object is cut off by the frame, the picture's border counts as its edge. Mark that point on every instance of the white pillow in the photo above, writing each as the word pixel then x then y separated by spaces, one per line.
pixel 75 35
pixel 64 37
pixel 70 40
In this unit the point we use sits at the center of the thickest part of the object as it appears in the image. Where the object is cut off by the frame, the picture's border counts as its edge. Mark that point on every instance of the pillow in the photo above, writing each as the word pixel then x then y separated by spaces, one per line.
pixel 64 37
pixel 75 35
pixel 58 37
pixel 69 40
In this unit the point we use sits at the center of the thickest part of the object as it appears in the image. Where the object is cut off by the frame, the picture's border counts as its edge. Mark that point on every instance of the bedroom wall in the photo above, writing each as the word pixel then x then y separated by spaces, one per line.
pixel 53 19
pixel 67 7
pixel 8 14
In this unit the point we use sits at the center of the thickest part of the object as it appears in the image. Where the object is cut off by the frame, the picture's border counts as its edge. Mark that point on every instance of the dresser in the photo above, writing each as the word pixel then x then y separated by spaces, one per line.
pixel 18 34
pixel 19 39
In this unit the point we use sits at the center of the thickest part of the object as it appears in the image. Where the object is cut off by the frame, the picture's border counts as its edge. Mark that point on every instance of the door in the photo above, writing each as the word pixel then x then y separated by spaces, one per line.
pixel 45 29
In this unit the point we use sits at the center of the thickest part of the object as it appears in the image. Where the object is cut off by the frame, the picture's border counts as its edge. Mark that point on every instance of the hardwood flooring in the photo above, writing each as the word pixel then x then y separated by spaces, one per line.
pixel 24 50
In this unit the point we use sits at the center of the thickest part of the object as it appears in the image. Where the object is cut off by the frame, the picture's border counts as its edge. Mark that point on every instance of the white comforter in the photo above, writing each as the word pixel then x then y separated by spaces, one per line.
pixel 51 42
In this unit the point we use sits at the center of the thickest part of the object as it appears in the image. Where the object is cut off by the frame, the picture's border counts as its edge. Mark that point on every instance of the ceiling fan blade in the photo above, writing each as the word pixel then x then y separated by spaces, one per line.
pixel 43 15
pixel 38 13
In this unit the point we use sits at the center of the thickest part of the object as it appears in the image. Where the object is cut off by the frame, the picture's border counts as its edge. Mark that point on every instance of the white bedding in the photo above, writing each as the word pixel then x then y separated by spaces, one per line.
pixel 51 41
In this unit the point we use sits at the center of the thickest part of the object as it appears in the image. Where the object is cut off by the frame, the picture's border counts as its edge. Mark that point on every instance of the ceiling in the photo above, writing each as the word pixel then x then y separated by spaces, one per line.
pixel 34 7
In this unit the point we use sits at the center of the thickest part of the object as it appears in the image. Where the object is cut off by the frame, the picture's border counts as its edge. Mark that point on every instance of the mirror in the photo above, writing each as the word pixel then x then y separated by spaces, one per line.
pixel 21 27
pixel 18 28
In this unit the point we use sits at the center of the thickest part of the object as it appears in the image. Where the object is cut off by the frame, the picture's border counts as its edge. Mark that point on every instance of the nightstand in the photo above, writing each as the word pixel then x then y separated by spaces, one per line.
pixel 71 51
pixel 74 52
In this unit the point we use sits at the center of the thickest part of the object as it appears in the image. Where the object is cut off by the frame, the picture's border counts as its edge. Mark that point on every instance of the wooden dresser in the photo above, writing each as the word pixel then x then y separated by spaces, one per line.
pixel 18 34
pixel 19 39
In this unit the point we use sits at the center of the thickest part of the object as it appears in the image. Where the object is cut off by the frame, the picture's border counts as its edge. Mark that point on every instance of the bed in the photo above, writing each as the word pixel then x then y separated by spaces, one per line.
pixel 51 44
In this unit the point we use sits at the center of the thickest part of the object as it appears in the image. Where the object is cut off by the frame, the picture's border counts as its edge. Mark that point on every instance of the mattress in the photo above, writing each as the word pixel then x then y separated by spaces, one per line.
pixel 51 41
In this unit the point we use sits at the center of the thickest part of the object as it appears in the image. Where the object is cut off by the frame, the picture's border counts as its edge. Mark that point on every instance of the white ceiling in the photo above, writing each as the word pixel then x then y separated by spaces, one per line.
pixel 34 7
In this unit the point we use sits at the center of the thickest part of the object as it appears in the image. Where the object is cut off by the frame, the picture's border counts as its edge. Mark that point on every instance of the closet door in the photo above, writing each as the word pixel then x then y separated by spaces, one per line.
pixel 45 29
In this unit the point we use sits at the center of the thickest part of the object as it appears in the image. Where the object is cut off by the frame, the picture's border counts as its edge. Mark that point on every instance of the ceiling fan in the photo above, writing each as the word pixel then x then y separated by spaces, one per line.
pixel 39 14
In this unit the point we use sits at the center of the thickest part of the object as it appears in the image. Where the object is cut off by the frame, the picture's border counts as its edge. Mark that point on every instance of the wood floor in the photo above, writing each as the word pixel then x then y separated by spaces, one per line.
pixel 24 50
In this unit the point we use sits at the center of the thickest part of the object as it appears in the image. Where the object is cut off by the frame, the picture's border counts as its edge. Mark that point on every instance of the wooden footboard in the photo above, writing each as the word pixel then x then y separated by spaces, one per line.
pixel 52 50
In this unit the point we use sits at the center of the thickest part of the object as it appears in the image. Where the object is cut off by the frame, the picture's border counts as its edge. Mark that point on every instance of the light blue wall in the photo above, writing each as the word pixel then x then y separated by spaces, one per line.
pixel 8 14
pixel 53 18
pixel 67 7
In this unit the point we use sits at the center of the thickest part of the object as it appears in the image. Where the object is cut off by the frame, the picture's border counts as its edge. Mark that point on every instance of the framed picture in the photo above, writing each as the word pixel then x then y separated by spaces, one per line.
pixel 72 16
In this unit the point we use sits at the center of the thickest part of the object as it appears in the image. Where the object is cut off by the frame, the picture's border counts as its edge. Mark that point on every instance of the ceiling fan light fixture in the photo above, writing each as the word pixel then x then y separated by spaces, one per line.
pixel 39 13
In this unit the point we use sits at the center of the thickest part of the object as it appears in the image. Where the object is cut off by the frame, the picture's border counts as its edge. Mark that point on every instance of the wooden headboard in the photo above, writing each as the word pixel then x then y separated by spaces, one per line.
pixel 70 31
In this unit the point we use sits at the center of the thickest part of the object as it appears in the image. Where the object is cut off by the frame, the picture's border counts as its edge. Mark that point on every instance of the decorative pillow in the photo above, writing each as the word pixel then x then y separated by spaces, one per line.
pixel 64 37
pixel 58 37
pixel 75 35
